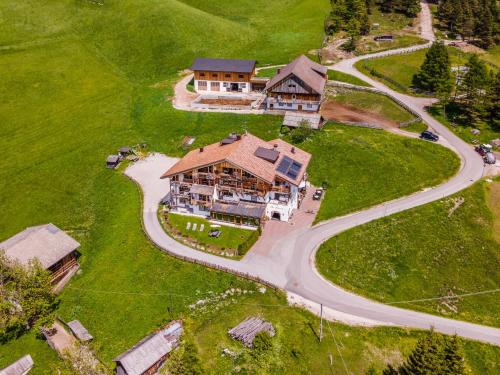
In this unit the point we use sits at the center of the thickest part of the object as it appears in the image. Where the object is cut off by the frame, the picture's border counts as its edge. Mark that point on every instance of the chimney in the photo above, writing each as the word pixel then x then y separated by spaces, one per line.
pixel 275 146
pixel 293 150
pixel 201 149
pixel 238 137
pixel 278 71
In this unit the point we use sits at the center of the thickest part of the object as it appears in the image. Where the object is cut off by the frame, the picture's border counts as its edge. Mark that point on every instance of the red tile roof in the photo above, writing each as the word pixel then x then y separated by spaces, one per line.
pixel 241 153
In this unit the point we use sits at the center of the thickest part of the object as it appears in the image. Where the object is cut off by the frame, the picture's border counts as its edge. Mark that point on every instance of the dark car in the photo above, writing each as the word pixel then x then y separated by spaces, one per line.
pixel 214 233
pixel 429 136
pixel 317 194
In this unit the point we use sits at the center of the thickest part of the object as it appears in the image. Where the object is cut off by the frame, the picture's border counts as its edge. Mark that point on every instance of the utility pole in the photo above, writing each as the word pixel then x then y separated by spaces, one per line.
pixel 321 323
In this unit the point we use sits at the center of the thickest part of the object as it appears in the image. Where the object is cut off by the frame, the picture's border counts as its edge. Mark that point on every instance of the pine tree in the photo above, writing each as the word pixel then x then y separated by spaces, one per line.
pixel 426 358
pixel 435 72
pixel 476 84
pixel 453 362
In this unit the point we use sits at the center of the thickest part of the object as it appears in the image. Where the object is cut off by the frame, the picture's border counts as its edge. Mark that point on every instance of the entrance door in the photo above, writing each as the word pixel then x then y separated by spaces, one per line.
pixel 234 87
pixel 276 216
pixel 299 107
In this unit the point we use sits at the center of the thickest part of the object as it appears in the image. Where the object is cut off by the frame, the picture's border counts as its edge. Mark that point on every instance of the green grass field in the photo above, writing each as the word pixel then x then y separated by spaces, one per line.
pixel 356 153
pixel 434 250
pixel 79 80
pixel 344 77
pixel 374 103
pixel 402 68
pixel 267 72
pixel 415 127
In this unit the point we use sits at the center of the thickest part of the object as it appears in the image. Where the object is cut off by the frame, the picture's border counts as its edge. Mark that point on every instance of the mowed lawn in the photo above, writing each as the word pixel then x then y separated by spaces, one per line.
pixel 79 80
pixel 444 248
pixel 229 238
pixel 364 167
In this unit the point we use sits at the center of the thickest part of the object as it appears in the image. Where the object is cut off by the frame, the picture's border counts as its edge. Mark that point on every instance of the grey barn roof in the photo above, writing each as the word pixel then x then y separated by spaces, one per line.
pixel 293 119
pixel 47 243
pixel 305 69
pixel 224 65
pixel 20 367
pixel 79 330
pixel 241 209
pixel 150 349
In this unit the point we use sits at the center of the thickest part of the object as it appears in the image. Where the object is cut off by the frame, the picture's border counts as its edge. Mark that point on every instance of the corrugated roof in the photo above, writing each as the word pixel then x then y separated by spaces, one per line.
pixel 224 65
pixel 20 367
pixel 150 349
pixel 293 119
pixel 241 153
pixel 47 243
pixel 241 209
pixel 79 330
pixel 305 69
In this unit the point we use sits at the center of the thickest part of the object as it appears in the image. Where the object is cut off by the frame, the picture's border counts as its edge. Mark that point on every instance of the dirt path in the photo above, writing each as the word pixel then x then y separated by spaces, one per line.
pixel 183 97
pixel 335 111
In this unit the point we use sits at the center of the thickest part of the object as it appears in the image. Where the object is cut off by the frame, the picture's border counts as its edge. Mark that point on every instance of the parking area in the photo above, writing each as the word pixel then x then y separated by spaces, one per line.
pixel 274 230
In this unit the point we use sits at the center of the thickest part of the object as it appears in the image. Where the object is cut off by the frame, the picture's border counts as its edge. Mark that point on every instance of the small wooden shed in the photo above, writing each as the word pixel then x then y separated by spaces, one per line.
pixel 249 328
pixel 294 119
pixel 112 161
pixel 79 331
pixel 149 354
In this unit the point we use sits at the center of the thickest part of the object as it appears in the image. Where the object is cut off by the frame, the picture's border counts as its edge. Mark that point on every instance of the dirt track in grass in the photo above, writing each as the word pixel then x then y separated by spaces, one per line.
pixel 335 111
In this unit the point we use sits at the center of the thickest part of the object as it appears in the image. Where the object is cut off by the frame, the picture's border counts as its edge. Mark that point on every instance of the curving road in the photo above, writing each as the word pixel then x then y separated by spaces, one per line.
pixel 291 265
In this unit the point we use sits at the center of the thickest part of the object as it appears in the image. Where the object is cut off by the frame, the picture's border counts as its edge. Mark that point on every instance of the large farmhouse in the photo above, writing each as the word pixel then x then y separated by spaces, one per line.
pixel 240 180
pixel 223 75
pixel 52 247
pixel 298 86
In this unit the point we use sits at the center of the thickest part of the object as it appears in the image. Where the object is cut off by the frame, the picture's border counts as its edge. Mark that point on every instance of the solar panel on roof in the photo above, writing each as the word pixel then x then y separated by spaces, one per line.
pixel 289 167
pixel 284 165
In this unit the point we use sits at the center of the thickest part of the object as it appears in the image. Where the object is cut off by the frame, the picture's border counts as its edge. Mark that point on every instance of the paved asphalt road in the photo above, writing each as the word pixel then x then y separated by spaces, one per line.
pixel 291 265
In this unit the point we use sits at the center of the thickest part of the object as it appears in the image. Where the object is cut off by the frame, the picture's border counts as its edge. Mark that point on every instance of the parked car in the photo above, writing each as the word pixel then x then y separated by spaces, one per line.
pixel 489 158
pixel 215 233
pixel 429 136
pixel 483 149
pixel 318 194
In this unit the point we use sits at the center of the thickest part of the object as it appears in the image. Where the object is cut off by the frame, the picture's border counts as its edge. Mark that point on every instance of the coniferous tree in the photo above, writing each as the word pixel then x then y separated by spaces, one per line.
pixel 425 359
pixel 435 73
pixel 475 86
pixel 453 362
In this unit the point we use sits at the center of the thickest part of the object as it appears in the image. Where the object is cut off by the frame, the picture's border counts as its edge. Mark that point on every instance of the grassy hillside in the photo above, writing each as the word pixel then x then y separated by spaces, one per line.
pixel 77 81
pixel 400 69
pixel 440 249
pixel 355 153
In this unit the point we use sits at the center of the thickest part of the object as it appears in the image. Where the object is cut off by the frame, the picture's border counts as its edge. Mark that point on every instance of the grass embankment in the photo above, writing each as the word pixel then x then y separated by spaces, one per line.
pixel 78 81
pixel 404 166
pixel 389 23
pixel 415 127
pixel 267 72
pixel 444 248
pixel 397 71
pixel 229 242
pixel 486 135
pixel 335 75
pixel 374 103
